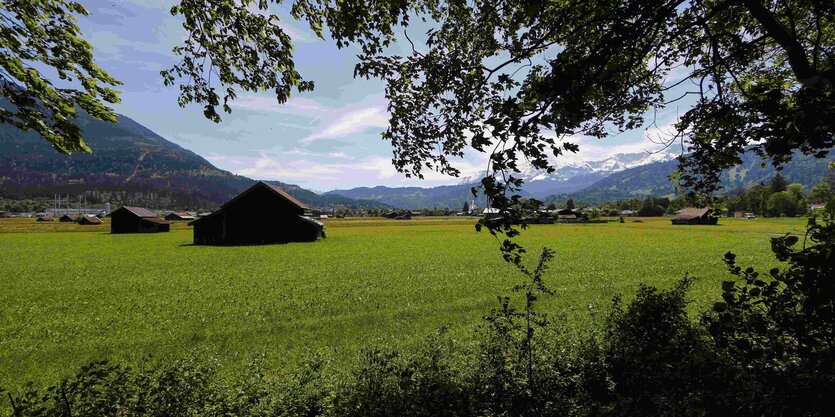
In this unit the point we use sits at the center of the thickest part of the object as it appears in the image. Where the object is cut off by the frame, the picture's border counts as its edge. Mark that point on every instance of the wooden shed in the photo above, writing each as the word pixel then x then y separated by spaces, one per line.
pixel 88 220
pixel 567 214
pixel 66 219
pixel 180 215
pixel 137 220
pixel 262 214
pixel 44 219
pixel 405 215
pixel 693 215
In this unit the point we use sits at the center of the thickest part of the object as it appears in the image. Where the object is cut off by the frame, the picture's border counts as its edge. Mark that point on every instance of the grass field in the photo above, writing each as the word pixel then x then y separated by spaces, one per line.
pixel 70 294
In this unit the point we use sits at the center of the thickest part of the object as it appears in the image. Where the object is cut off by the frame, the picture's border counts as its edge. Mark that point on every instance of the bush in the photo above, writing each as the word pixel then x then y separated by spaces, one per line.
pixel 779 328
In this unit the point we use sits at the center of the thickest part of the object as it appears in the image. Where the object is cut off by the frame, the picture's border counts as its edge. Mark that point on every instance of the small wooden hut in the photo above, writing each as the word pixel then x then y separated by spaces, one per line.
pixel 66 219
pixel 180 215
pixel 137 220
pixel 567 214
pixel 88 220
pixel 694 215
pixel 262 214
pixel 405 215
pixel 44 219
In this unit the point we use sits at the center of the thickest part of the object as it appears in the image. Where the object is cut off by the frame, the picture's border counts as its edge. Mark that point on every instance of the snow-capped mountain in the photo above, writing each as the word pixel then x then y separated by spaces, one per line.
pixel 570 176
pixel 574 175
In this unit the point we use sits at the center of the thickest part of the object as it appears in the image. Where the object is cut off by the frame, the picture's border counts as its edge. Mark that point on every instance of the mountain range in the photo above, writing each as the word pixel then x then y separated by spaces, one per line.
pixel 653 178
pixel 130 165
pixel 573 175
pixel 133 165
pixel 569 177
pixel 621 176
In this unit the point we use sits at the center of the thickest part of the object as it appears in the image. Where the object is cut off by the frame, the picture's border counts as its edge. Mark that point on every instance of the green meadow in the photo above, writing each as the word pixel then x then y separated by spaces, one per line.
pixel 70 294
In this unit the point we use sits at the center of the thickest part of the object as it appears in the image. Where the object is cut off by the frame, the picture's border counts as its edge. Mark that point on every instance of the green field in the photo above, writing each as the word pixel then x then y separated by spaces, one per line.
pixel 70 294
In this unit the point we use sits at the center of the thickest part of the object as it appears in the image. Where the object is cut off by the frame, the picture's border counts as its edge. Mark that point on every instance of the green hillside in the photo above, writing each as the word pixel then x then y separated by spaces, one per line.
pixel 130 164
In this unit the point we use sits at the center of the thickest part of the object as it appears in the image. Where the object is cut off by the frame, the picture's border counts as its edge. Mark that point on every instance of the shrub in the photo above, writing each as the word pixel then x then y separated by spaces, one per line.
pixel 779 328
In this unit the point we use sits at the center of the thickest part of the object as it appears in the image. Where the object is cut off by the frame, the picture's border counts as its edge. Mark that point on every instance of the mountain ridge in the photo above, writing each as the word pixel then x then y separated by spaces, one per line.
pixel 133 165
pixel 620 176
pixel 130 164
pixel 570 176
pixel 653 179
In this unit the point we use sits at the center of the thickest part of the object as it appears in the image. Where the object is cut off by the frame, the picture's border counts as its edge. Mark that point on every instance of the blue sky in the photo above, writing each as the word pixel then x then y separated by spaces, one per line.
pixel 322 140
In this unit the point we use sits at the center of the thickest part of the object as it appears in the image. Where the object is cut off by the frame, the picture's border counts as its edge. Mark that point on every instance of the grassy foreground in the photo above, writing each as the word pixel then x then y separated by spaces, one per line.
pixel 70 294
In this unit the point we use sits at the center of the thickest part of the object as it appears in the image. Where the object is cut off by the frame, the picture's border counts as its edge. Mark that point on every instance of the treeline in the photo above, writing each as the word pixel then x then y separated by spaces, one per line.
pixel 24 206
pixel 774 199
pixel 342 211
pixel 94 196
pixel 781 199
pixel 766 349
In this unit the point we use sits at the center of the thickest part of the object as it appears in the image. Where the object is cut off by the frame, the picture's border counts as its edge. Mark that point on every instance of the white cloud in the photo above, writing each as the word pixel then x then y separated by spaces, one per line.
pixel 333 122
pixel 302 152
pixel 268 103
pixel 341 173
pixel 350 123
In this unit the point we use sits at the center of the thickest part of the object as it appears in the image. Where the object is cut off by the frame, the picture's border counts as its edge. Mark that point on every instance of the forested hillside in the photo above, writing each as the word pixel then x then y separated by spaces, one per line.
pixel 130 164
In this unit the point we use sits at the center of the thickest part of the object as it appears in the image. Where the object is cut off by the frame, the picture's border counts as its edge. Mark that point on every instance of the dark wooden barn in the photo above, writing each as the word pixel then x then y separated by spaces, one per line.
pixel 137 220
pixel 88 220
pixel 262 214
pixel 406 215
pixel 66 219
pixel 567 214
pixel 180 215
pixel 693 215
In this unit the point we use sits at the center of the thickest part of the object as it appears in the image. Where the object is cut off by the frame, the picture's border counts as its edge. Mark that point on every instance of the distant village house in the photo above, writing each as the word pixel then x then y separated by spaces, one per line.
pixel 816 206
pixel 180 215
pixel 566 214
pixel 137 220
pixel 88 220
pixel 693 215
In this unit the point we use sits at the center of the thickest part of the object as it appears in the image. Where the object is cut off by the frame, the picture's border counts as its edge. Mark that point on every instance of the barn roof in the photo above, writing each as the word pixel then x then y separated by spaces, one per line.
pixel 275 189
pixel 313 221
pixel 260 184
pixel 156 220
pixel 183 215
pixel 692 213
pixel 140 212
pixel 91 219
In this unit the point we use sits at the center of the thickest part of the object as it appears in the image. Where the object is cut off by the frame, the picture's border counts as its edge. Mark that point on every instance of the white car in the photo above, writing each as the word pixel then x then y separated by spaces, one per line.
pixel 749 215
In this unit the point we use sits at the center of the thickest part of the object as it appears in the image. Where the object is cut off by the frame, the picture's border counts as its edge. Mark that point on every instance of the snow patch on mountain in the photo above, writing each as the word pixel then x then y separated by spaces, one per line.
pixel 566 169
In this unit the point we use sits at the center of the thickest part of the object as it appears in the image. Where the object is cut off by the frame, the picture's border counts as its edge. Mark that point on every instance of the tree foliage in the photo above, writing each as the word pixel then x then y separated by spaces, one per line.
pixel 233 44
pixel 779 326
pixel 778 183
pixel 40 44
